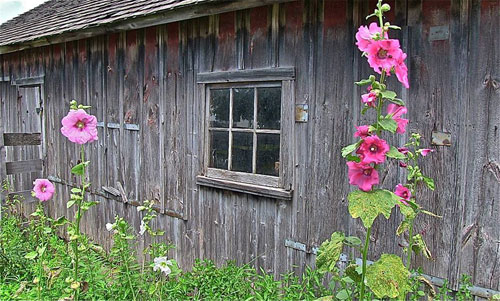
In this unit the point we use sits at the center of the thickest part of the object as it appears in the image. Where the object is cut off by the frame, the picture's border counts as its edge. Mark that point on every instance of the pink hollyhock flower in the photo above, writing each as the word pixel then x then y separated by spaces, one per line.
pixel 44 189
pixel 403 150
pixel 365 35
pixel 396 112
pixel 362 175
pixel 362 132
pixel 426 151
pixel 402 164
pixel 402 71
pixel 79 127
pixel 384 54
pixel 373 150
pixel 403 192
pixel 369 99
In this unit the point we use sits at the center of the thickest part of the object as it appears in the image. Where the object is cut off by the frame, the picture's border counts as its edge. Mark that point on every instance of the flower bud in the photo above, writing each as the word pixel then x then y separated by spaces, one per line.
pixel 385 7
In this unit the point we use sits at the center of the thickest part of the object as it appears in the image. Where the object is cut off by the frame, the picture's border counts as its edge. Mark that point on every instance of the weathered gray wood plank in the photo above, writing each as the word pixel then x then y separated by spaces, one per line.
pixel 18 139
pixel 25 166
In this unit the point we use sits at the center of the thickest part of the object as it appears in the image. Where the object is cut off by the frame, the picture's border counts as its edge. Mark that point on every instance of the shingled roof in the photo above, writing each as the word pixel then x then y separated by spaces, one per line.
pixel 55 17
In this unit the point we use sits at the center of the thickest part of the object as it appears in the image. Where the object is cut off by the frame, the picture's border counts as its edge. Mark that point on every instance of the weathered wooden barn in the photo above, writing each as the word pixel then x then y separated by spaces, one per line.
pixel 232 114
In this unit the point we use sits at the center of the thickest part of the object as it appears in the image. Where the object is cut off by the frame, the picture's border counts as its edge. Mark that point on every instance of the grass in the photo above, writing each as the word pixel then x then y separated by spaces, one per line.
pixel 103 279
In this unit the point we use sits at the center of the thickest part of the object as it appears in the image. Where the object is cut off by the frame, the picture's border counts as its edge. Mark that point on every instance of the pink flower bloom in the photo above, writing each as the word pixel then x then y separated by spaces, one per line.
pixel 362 175
pixel 362 132
pixel 402 71
pixel 383 55
pixel 402 164
pixel 396 112
pixel 403 192
pixel 403 150
pixel 369 99
pixel 43 189
pixel 373 150
pixel 79 127
pixel 426 151
pixel 365 35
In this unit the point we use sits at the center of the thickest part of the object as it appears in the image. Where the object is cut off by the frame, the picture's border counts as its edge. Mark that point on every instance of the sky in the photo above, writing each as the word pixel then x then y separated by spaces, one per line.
pixel 12 8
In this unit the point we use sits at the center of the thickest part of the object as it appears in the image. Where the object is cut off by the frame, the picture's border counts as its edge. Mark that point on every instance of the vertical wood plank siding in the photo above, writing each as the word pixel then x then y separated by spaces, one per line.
pixel 145 79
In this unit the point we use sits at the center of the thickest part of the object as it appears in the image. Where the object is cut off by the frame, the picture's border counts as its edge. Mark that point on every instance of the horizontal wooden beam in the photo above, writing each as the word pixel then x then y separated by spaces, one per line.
pixel 24 166
pixel 270 192
pixel 196 10
pixel 29 81
pixel 249 75
pixel 19 139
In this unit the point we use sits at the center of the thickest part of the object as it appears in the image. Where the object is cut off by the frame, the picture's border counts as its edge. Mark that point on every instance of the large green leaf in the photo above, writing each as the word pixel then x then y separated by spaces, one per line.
pixel 368 205
pixel 350 148
pixel 388 277
pixel 388 124
pixel 329 253
pixel 394 153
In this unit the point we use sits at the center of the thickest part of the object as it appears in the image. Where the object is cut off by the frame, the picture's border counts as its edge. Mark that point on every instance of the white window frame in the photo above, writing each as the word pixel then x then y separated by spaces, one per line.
pixel 279 187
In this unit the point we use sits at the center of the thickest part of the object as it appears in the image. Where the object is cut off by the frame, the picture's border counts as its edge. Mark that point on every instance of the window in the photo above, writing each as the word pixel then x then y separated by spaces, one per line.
pixel 247 130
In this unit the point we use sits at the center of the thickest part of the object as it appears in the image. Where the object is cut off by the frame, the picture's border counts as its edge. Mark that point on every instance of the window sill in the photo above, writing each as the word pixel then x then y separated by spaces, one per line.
pixel 259 190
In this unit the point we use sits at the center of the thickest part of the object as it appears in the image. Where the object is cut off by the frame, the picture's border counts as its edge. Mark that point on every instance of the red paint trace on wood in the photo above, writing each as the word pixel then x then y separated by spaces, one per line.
pixel 436 12
pixel 258 19
pixel 172 47
pixel 226 26
pixel 294 14
pixel 335 13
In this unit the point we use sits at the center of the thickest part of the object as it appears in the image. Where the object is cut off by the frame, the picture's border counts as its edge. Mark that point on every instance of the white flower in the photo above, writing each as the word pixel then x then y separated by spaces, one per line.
pixel 110 226
pixel 162 264
pixel 142 228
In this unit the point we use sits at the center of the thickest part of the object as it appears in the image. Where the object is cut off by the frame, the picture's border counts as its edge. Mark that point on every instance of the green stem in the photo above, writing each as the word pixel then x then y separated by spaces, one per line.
pixel 128 275
pixel 78 218
pixel 380 104
pixel 363 274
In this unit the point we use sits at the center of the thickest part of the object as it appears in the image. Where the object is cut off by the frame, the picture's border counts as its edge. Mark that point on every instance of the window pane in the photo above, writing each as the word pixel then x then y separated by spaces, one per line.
pixel 242 152
pixel 268 154
pixel 219 108
pixel 269 108
pixel 243 100
pixel 219 142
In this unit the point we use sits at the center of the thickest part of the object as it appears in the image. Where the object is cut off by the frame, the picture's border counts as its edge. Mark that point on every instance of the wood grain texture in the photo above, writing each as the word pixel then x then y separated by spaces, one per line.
pixel 155 78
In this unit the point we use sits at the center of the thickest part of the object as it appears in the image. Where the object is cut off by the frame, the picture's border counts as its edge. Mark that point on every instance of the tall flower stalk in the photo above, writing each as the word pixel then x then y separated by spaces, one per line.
pixel 388 276
pixel 80 128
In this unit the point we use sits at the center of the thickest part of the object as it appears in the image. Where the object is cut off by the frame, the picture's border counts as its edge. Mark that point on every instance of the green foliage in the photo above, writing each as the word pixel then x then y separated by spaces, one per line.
pixel 329 253
pixel 388 124
pixel 369 205
pixel 388 277
pixel 394 153
pixel 464 292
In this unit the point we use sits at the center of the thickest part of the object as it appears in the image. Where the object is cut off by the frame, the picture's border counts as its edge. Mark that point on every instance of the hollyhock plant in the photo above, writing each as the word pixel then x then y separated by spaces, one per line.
pixel 365 35
pixel 79 127
pixel 403 192
pixel 43 189
pixel 362 175
pixel 362 132
pixel 396 111
pixel 373 150
pixel 369 99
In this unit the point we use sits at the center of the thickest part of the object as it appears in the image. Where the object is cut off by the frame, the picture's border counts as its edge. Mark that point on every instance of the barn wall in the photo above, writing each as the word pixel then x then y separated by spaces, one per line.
pixel 146 79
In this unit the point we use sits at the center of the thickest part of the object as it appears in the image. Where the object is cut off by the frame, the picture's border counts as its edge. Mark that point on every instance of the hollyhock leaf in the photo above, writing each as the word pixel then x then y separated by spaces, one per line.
pixel 79 169
pixel 369 205
pixel 407 211
pixel 70 204
pixel 352 272
pixel 388 277
pixel 60 221
pixel 419 246
pixel 352 241
pixel 394 153
pixel 388 124
pixel 397 101
pixel 329 253
pixel 350 148
pixel 389 95
pixel 405 225
pixel 76 190
pixel 353 158
pixel 363 82
pixel 429 182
